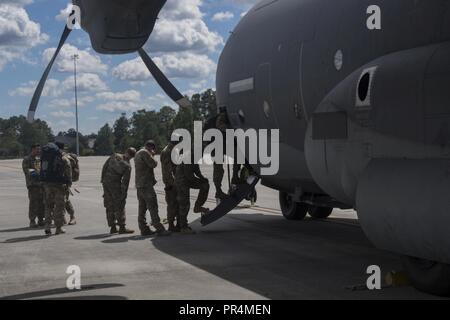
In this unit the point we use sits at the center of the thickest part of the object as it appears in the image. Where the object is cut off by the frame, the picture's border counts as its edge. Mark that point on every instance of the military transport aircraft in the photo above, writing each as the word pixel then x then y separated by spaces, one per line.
pixel 363 109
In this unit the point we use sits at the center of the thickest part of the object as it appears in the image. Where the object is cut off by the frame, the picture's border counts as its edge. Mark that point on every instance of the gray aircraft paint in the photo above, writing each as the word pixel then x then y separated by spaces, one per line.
pixel 352 103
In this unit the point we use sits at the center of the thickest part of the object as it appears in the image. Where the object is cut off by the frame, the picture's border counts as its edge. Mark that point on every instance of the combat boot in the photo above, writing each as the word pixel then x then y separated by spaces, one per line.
pixel 124 230
pixel 201 210
pixel 173 228
pixel 147 232
pixel 161 231
pixel 60 230
pixel 33 225
pixel 187 230
pixel 220 195
pixel 48 232
pixel 72 221
pixel 113 230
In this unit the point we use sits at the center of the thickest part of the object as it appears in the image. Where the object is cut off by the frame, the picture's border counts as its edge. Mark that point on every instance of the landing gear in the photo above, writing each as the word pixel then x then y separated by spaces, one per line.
pixel 428 276
pixel 320 213
pixel 292 210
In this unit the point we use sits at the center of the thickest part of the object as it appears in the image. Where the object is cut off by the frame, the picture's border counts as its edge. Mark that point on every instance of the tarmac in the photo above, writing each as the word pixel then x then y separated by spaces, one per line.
pixel 252 253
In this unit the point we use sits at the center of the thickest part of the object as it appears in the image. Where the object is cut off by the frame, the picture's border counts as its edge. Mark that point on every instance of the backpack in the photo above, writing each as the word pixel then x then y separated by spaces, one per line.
pixel 52 165
pixel 75 166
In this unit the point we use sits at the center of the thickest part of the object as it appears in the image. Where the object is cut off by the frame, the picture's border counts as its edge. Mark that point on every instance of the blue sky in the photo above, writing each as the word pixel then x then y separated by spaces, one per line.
pixel 186 44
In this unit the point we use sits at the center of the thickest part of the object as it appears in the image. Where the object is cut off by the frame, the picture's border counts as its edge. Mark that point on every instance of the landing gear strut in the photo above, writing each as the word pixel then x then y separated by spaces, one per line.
pixel 291 209
pixel 320 213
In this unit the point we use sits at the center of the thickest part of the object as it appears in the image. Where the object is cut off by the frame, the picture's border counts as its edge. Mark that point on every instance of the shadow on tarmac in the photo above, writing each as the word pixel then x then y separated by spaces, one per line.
pixel 281 259
pixel 126 239
pixel 95 237
pixel 26 239
pixel 19 229
pixel 51 292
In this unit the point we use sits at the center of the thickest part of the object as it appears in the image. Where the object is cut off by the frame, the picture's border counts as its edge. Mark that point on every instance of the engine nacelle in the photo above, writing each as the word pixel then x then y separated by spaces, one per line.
pixel 119 26
pixel 397 106
pixel 404 207
pixel 380 141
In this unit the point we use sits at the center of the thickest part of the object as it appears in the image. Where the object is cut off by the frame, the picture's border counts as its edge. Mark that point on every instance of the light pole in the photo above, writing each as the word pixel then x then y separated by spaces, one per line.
pixel 75 57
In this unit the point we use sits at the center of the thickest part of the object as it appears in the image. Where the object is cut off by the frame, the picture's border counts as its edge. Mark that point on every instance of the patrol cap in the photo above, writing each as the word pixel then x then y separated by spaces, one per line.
pixel 150 144
pixel 60 145
pixel 131 152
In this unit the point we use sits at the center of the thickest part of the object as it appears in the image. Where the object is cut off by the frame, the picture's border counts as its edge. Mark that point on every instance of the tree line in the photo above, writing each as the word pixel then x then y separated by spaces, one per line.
pixel 17 135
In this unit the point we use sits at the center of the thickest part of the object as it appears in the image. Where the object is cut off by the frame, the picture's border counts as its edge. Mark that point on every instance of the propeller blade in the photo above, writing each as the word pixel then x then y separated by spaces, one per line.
pixel 162 80
pixel 37 94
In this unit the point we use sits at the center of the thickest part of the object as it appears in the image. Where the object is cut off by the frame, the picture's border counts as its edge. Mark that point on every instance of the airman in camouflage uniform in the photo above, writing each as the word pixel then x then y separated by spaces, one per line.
pixel 145 181
pixel 116 175
pixel 31 168
pixel 55 198
pixel 222 123
pixel 68 204
pixel 69 208
pixel 168 175
pixel 189 176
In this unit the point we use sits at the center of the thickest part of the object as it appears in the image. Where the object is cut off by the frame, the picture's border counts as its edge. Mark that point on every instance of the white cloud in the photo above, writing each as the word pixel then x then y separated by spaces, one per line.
pixel 174 65
pixel 131 70
pixel 130 95
pixel 85 82
pixel 62 114
pixel 223 16
pixel 17 32
pixel 52 89
pixel 60 104
pixel 87 62
pixel 122 106
pixel 181 28
pixel 186 65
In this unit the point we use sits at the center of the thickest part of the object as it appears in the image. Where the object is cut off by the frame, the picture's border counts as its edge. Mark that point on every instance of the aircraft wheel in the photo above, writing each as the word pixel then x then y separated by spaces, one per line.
pixel 292 210
pixel 320 212
pixel 428 276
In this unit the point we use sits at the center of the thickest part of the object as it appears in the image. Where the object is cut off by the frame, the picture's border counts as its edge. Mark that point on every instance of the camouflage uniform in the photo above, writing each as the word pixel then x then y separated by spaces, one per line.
pixel 189 176
pixel 222 123
pixel 55 197
pixel 145 182
pixel 68 204
pixel 116 175
pixel 35 190
pixel 168 175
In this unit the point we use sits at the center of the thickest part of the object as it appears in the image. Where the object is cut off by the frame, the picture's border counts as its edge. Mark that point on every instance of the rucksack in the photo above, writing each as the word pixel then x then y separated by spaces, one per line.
pixel 75 166
pixel 52 165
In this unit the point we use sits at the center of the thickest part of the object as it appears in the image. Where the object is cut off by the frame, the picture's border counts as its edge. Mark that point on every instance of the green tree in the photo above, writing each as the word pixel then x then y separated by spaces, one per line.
pixel 166 118
pixel 204 105
pixel 17 135
pixel 122 138
pixel 104 145
pixel 184 120
pixel 145 126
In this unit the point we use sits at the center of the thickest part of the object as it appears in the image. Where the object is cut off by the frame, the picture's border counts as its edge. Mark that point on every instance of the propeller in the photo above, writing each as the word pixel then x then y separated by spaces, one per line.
pixel 164 83
pixel 38 93
pixel 159 76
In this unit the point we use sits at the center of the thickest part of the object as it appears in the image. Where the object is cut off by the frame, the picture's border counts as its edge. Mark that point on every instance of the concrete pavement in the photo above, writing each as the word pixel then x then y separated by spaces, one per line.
pixel 253 253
